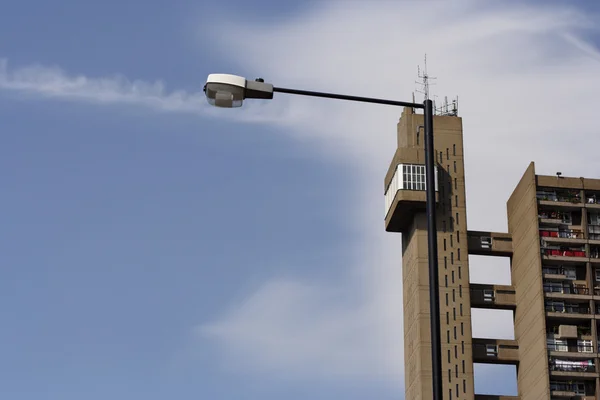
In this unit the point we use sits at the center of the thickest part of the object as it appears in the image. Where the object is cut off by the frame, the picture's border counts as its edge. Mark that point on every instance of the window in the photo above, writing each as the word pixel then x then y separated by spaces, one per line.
pixel 453 295
pixel 446 280
pixel 597 274
pixel 444 244
pixel 463 361
pixel 451 241
pixel 447 318
pixel 460 291
pixel 555 306
pixel 448 336
pixel 446 298
pixel 461 310
pixel 445 262
pixel 448 355
pixel 488 295
pixel 453 277
pixel 413 177
pixel 459 274
pixel 486 242
pixel 449 375
pixel 570 272
pixel 454 149
pixel 585 346
pixel 457 236
pixel 464 385
pixel 456 218
pixel 455 333
pixel 554 287
pixel 456 200
pixel 447 153
pixel 454 166
pixel 456 370
pixel 458 254
pixel 455 184
pixel 462 328
pixel 452 258
pixel 462 345
pixel 450 393
pixel 491 350
pixel 556 344
pixel 441 156
pixel 456 354
pixel 457 389
pixel 551 270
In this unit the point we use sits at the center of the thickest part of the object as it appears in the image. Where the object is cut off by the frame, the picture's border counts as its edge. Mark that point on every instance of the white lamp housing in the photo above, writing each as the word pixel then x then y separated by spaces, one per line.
pixel 228 91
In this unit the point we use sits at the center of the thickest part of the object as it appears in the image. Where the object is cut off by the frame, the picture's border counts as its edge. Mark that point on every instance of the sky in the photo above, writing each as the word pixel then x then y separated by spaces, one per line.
pixel 154 247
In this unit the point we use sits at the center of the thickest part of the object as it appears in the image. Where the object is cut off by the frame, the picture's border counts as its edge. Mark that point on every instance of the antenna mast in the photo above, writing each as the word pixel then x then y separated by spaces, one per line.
pixel 450 109
pixel 425 78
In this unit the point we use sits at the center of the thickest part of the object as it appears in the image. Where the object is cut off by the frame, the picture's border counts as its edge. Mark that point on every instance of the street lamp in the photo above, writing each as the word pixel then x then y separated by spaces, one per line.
pixel 228 91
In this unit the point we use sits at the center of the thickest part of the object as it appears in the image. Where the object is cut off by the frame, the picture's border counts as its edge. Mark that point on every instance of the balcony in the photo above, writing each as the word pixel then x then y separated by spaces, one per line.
pixel 489 243
pixel 495 351
pixel 574 349
pixel 558 197
pixel 561 235
pixel 565 310
pixel 592 199
pixel 572 389
pixel 572 368
pixel 555 217
pixel 573 274
pixel 563 253
pixel 565 289
pixel 498 297
pixel 405 195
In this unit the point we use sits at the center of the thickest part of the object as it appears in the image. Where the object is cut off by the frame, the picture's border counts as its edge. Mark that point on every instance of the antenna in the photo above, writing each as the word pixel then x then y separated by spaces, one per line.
pixel 425 78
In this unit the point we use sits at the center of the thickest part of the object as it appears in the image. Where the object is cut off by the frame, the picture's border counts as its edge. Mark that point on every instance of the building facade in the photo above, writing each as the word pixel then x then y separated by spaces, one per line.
pixel 553 245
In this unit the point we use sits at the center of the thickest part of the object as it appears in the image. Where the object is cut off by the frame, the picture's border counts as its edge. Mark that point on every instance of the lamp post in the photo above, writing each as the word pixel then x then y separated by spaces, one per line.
pixel 229 91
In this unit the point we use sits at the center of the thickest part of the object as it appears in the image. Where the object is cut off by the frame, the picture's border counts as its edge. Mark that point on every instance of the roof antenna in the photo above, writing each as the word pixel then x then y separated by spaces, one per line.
pixel 425 78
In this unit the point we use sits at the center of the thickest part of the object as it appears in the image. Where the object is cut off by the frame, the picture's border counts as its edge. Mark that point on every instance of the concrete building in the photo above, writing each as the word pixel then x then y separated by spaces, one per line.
pixel 553 245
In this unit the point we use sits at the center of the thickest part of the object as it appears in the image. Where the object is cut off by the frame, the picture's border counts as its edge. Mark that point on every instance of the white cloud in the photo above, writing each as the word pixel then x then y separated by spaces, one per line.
pixel 528 86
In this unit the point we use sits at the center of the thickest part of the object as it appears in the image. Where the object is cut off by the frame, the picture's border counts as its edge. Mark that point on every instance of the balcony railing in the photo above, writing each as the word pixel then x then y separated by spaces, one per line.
pixel 564 253
pixel 566 289
pixel 562 233
pixel 567 309
pixel 571 196
pixel 564 217
pixel 577 388
pixel 572 366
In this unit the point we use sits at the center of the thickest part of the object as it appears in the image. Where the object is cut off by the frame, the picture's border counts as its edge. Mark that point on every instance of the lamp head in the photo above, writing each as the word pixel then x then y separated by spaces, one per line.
pixel 229 91
pixel 224 90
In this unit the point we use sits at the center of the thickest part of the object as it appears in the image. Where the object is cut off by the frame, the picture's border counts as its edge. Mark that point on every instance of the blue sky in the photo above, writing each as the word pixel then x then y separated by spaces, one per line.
pixel 153 248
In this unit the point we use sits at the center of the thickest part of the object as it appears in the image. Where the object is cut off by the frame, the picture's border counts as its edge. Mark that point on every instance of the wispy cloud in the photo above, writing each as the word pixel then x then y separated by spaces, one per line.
pixel 53 82
pixel 46 82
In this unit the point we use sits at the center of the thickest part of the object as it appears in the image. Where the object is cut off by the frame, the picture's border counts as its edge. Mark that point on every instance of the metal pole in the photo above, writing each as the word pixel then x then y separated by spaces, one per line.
pixel 434 284
pixel 346 97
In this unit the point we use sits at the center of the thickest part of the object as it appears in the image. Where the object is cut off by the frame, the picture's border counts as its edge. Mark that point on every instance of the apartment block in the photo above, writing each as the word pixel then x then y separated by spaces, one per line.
pixel 553 245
